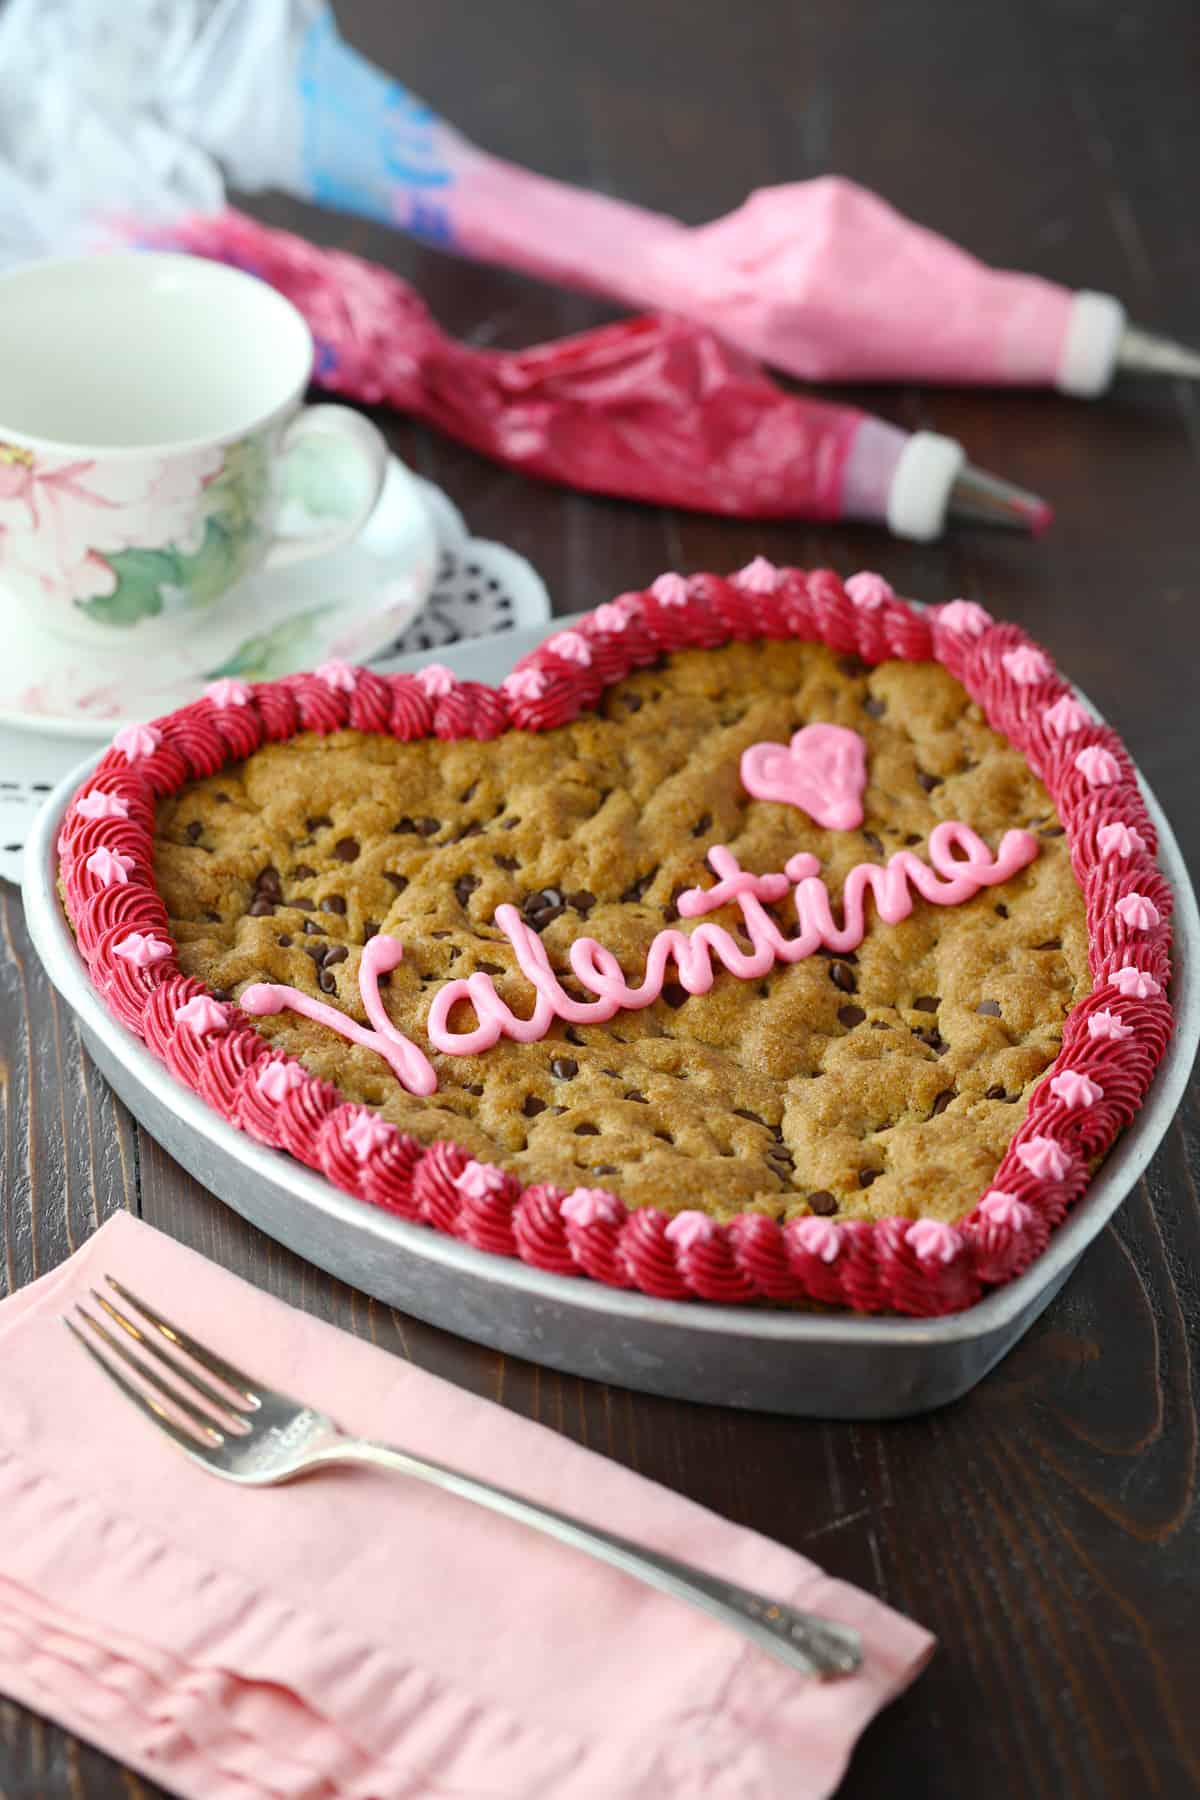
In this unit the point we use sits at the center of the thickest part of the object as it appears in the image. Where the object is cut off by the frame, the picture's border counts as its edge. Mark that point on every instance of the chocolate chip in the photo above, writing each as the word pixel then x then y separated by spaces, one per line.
pixel 934 1040
pixel 510 824
pixel 633 702
pixel 260 906
pixel 533 1106
pixel 333 903
pixel 474 1087
pixel 317 952
pixel 284 941
pixel 439 934
pixel 582 900
pixel 822 1203
pixel 740 1112
pixel 674 995
pixel 474 829
pixel 220 993
pixel 572 1036
pixel 927 781
pixel 996 1093
pixel 489 968
pixel 221 799
pixel 875 842
pixel 1050 944
pixel 370 929
pixel 347 849
pixel 703 824
pixel 926 1003
pixel 312 929
pixel 193 831
pixel 604 1168
pixel 542 908
pixel 942 1102
pixel 671 909
pixel 587 1131
pixel 875 707
pixel 1052 831
pixel 637 1097
pixel 336 953
pixel 506 862
pixel 637 889
pixel 268 883
pixel 989 1008
pixel 1000 909
pixel 469 794
pixel 852 665
pixel 880 1025
pixel 302 872
pixel 214 918
pixel 563 1068
pixel 326 982
pixel 320 823
pixel 427 826
pixel 403 827
pixel 843 977
pixel 850 1016
pixel 399 882
pixel 912 838
pixel 665 1137
pixel 867 1176
pixel 464 887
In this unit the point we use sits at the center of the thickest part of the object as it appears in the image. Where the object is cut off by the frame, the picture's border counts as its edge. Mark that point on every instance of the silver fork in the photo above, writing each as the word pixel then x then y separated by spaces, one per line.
pixel 235 1427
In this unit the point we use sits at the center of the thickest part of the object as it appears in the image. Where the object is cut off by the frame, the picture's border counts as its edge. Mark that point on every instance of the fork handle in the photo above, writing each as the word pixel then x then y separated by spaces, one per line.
pixel 805 1641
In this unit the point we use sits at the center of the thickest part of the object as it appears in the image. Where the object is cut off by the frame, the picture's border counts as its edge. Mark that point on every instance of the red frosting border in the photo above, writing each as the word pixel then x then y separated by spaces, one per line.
pixel 897 1264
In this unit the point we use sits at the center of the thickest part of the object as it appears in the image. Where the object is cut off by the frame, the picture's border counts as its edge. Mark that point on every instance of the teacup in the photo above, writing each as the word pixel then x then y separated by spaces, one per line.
pixel 147 404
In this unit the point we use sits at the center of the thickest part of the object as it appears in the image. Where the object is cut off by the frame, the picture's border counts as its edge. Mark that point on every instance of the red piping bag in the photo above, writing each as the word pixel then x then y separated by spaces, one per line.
pixel 653 408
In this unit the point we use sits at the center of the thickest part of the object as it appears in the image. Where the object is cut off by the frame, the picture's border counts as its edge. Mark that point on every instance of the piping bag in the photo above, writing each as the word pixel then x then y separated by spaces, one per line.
pixel 652 408
pixel 819 278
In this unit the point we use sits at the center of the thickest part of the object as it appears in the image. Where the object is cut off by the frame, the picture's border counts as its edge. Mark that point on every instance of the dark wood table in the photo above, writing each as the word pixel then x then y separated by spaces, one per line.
pixel 1046 1527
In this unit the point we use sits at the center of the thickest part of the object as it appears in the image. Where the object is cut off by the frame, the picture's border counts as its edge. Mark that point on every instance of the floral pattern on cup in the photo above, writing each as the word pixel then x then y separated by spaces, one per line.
pixel 123 539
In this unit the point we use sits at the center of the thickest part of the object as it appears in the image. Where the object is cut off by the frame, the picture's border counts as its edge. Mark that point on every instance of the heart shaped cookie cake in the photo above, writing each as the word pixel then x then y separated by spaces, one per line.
pixel 765 939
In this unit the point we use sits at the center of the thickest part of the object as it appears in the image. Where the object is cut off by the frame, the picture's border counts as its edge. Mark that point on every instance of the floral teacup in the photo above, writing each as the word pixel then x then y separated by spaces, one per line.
pixel 146 402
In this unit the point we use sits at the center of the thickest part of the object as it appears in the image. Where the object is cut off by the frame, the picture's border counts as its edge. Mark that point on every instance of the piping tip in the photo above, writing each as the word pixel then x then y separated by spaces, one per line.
pixel 984 499
pixel 1146 353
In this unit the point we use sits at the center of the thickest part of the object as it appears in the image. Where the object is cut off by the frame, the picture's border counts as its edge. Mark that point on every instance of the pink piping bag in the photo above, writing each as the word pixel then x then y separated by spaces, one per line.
pixel 652 408
pixel 820 278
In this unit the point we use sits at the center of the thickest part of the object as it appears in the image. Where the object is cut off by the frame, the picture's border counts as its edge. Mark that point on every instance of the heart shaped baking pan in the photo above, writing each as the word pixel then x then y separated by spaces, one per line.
pixel 759 1229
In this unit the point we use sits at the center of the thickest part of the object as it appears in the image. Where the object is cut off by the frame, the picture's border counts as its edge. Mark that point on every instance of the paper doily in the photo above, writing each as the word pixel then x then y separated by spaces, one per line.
pixel 481 589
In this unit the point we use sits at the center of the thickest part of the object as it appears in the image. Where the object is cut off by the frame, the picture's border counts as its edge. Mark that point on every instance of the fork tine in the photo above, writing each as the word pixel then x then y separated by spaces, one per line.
pixel 178 1396
pixel 152 1347
pixel 150 1408
pixel 235 1379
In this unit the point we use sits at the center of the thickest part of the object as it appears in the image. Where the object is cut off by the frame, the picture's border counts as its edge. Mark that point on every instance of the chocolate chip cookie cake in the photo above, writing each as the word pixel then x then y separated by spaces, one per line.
pixel 763 939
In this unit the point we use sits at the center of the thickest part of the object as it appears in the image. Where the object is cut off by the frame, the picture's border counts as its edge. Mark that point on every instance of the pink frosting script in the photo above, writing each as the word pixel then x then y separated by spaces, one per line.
pixel 961 863
pixel 410 1066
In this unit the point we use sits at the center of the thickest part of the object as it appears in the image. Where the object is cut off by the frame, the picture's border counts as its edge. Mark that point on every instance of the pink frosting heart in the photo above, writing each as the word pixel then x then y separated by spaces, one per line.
pixel 823 771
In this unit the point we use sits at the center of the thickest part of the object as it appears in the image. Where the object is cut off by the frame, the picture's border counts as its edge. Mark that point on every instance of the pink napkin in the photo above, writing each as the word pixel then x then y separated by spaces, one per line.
pixel 363 1636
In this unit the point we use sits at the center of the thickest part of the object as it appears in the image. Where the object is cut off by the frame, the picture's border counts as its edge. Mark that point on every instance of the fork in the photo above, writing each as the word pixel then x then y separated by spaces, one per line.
pixel 243 1431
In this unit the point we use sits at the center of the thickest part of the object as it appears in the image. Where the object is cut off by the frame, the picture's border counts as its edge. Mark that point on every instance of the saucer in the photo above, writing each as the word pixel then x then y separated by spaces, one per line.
pixel 350 604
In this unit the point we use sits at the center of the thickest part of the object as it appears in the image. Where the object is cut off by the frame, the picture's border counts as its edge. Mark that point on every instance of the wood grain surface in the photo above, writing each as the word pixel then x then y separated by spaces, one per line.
pixel 1046 1527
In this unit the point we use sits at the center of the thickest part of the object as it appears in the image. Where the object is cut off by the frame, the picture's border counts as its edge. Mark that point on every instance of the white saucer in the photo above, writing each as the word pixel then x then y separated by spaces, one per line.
pixel 350 604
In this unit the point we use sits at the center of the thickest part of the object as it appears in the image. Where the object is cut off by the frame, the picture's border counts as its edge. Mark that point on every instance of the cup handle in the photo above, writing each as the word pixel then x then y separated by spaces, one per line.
pixel 372 452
